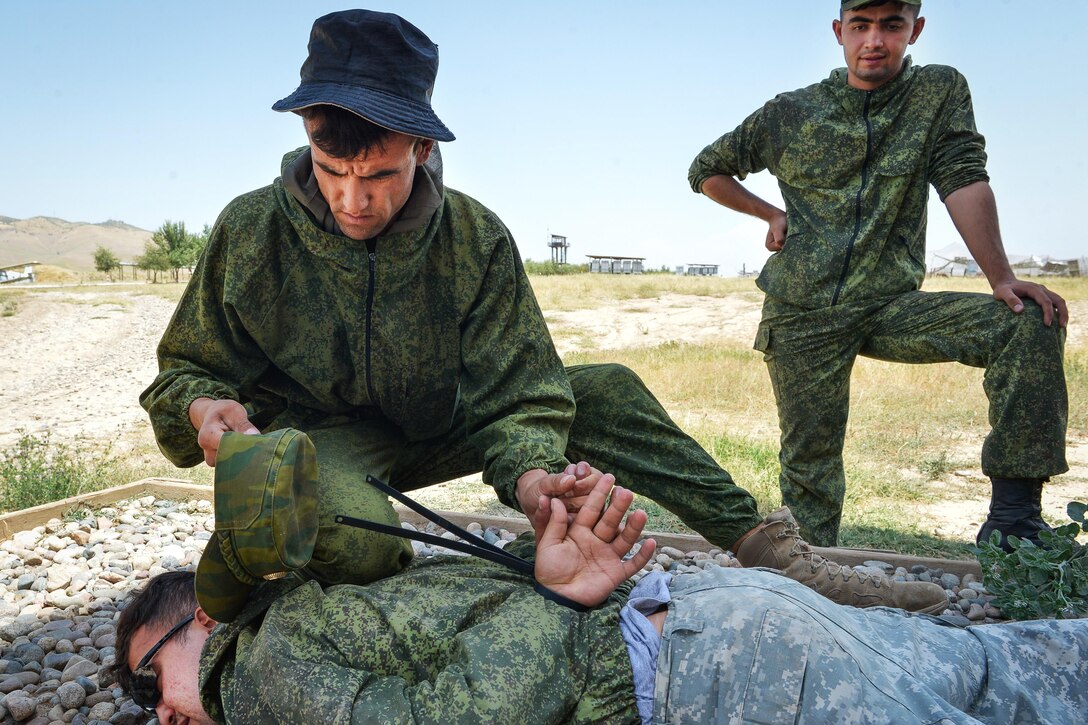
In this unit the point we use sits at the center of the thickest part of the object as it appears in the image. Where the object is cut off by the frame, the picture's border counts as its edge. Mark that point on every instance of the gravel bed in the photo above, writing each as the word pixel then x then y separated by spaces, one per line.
pixel 60 586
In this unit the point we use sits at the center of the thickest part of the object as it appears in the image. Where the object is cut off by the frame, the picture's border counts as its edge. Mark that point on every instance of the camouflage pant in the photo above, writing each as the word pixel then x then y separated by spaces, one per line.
pixel 619 427
pixel 810 354
pixel 750 646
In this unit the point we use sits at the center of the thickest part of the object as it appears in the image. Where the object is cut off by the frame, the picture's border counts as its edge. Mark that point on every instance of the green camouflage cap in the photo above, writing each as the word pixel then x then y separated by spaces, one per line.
pixel 265 517
pixel 851 4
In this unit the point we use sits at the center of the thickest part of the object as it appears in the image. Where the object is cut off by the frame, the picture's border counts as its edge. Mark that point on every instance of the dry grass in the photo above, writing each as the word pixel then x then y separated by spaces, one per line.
pixel 914 433
pixel 912 442
pixel 587 291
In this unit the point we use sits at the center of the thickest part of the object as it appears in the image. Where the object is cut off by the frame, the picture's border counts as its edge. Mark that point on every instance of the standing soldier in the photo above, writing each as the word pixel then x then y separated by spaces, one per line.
pixel 854 156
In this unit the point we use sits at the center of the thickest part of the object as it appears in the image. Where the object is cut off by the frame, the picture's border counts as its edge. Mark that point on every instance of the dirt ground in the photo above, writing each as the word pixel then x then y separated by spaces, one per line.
pixel 74 364
pixel 647 323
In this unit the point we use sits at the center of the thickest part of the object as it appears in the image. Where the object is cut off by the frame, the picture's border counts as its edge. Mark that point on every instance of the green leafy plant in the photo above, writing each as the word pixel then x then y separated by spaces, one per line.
pixel 36 470
pixel 1040 582
pixel 936 467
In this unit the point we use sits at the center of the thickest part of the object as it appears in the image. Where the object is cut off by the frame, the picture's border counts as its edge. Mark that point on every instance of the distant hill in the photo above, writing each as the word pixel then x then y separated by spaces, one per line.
pixel 67 244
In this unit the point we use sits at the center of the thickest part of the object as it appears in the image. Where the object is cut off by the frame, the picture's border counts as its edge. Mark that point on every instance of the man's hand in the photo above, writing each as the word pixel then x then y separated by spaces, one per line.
pixel 572 486
pixel 1013 292
pixel 776 231
pixel 728 192
pixel 213 418
pixel 583 560
pixel 973 210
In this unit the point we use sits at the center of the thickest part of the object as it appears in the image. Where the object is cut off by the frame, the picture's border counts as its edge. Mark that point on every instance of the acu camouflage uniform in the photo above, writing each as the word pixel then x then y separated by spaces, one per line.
pixel 417 357
pixel 788 655
pixel 854 168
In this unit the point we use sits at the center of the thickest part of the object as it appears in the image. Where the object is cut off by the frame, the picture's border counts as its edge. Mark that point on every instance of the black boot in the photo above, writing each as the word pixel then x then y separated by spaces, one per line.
pixel 1015 509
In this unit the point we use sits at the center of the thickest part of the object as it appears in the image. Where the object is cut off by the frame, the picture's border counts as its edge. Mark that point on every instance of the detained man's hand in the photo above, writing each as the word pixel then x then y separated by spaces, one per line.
pixel 583 559
pixel 571 487
pixel 213 418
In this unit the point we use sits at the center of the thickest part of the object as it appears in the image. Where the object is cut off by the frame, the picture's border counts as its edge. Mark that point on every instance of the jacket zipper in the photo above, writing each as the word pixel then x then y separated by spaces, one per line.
pixel 372 263
pixel 857 202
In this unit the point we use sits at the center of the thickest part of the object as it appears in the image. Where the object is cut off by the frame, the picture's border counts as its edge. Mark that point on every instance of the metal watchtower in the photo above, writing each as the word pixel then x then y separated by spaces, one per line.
pixel 558 245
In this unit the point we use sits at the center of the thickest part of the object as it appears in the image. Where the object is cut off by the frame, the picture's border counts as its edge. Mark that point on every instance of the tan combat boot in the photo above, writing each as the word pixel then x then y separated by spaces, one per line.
pixel 776 544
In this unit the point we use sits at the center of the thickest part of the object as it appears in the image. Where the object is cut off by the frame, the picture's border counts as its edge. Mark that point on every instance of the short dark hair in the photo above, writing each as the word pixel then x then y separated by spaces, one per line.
pixel 165 600
pixel 914 9
pixel 343 134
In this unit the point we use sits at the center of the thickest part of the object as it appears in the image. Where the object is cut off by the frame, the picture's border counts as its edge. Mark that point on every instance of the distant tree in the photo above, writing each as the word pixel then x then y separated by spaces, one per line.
pixel 106 261
pixel 154 259
pixel 201 241
pixel 172 248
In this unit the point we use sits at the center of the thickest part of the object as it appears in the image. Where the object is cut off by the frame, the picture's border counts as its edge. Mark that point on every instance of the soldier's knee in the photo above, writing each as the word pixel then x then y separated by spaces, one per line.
pixel 621 377
pixel 347 555
pixel 1030 324
pixel 611 375
pixel 1032 311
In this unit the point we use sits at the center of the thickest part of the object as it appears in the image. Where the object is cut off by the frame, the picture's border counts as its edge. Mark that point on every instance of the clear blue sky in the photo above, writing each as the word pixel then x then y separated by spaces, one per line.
pixel 576 118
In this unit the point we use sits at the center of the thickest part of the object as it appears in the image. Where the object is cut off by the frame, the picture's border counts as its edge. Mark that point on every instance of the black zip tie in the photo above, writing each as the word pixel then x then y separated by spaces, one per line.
pixel 471 544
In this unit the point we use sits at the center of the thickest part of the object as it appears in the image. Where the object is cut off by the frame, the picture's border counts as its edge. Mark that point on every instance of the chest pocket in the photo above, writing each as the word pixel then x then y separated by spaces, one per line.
pixel 823 155
pixel 899 161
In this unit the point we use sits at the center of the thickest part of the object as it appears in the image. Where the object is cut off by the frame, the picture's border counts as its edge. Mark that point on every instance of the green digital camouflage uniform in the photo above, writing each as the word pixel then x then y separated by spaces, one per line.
pixel 457 640
pixel 454 640
pixel 854 168
pixel 422 360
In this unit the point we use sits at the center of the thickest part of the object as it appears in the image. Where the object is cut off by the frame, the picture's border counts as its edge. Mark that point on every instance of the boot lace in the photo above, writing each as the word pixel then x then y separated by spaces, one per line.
pixel 816 562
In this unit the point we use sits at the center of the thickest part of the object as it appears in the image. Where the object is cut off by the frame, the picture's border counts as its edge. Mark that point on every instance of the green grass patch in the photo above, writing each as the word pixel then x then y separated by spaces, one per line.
pixel 466 495
pixel 659 518
pixel 1076 380
pixel 38 470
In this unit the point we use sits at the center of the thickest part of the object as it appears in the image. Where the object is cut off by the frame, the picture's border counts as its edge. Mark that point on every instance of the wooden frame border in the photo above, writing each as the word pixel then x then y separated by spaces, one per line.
pixel 175 489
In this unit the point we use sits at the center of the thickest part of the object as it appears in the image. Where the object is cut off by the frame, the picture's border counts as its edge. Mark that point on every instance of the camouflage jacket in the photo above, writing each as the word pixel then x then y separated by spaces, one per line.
pixel 854 168
pixel 311 329
pixel 448 640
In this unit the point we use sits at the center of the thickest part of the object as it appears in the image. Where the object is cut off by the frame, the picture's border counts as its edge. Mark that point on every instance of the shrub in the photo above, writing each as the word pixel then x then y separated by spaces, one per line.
pixel 551 268
pixel 36 471
pixel 1040 582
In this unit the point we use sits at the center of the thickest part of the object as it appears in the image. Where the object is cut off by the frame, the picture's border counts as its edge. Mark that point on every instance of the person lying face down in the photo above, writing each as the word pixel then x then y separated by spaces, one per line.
pixel 459 639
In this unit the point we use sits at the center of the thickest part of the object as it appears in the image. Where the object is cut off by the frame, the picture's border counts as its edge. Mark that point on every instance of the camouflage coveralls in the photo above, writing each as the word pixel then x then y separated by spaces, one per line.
pixel 460 640
pixel 418 360
pixel 854 168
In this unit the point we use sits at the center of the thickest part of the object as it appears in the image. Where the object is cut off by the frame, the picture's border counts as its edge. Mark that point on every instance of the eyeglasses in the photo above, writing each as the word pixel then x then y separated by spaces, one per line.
pixel 145 683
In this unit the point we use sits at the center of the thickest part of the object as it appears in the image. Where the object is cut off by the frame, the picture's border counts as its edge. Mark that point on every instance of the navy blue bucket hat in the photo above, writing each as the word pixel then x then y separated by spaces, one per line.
pixel 376 65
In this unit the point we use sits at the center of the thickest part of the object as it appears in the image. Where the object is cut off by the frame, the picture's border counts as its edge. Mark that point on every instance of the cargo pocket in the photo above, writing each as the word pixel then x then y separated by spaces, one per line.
pixel 773 692
pixel 687 674
pixel 914 251
pixel 734 672
pixel 763 340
